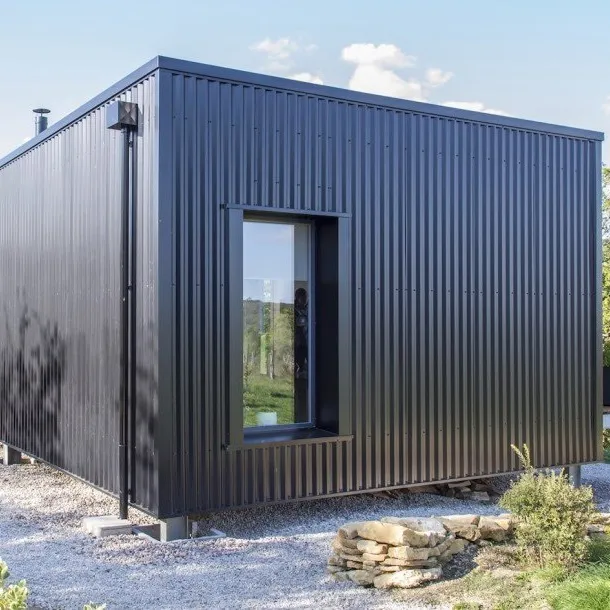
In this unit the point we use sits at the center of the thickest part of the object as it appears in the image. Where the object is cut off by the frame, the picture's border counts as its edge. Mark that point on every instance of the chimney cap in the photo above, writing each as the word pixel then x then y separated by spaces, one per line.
pixel 41 110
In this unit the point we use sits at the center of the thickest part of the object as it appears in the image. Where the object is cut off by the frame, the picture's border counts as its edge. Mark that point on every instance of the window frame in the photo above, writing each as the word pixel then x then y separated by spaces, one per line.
pixel 311 262
pixel 236 437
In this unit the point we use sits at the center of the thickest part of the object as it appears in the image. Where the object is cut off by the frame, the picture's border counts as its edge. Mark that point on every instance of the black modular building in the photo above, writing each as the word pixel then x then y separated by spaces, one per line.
pixel 222 289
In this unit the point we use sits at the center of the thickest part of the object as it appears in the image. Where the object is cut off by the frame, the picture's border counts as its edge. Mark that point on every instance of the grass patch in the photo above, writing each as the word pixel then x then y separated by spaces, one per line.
pixel 500 589
pixel 264 394
pixel 598 551
pixel 501 583
pixel 587 589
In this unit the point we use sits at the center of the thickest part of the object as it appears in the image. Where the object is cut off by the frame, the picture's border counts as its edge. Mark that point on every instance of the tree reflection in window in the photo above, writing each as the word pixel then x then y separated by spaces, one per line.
pixel 276 323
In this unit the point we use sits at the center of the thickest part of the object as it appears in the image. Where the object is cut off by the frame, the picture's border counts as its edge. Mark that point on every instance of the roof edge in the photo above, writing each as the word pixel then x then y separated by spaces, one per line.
pixel 86 108
pixel 277 82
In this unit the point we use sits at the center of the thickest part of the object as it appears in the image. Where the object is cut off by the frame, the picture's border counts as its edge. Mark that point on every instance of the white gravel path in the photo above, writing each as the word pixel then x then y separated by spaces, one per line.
pixel 273 558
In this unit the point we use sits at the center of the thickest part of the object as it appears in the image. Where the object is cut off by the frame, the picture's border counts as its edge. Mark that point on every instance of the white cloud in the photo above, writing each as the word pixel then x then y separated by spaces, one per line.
pixel 606 105
pixel 476 107
pixel 282 54
pixel 282 48
pixel 279 53
pixel 307 77
pixel 375 71
pixel 435 77
pixel 388 55
pixel 374 79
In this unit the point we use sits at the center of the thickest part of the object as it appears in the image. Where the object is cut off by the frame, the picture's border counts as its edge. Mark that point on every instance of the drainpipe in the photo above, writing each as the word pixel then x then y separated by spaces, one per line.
pixel 123 116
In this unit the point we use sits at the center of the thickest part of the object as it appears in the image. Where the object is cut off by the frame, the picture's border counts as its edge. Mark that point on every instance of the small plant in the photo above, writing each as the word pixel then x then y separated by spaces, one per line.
pixel 606 444
pixel 13 597
pixel 92 606
pixel 551 515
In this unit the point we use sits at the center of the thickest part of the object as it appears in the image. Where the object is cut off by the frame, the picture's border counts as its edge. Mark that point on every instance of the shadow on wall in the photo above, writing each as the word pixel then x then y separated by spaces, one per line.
pixel 143 424
pixel 32 372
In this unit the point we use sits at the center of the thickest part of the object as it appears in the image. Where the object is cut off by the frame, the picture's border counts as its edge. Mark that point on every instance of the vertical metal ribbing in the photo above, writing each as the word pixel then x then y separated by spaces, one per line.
pixel 60 206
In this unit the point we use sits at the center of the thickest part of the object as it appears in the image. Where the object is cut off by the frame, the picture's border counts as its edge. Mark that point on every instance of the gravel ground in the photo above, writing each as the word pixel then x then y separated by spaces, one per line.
pixel 273 557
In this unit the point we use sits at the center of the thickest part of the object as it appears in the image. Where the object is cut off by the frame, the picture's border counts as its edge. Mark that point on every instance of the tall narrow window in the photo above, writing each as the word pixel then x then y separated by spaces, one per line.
pixel 277 311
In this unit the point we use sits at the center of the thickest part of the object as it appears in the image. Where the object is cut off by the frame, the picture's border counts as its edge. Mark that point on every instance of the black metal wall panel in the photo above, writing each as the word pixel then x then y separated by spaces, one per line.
pixel 59 287
pixel 474 281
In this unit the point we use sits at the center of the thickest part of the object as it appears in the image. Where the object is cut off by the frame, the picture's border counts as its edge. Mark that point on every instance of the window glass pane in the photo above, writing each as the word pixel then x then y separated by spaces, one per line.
pixel 276 323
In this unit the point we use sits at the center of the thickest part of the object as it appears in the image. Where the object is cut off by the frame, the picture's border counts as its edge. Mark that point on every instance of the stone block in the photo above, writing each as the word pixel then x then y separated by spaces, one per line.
pixel 457 546
pixel 443 546
pixel 494 528
pixel 603 518
pixel 341 548
pixel 410 553
pixel 370 546
pixel 361 577
pixel 336 560
pixel 463 526
pixel 384 568
pixel 107 525
pixel 406 579
pixel 425 489
pixel 349 543
pixel 427 563
pixel 418 532
pixel 388 533
pixel 350 530
pixel 373 556
pixel 341 576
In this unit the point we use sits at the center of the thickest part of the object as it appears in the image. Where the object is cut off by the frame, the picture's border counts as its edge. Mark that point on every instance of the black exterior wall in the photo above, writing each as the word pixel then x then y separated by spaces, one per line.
pixel 472 314
pixel 468 286
pixel 60 218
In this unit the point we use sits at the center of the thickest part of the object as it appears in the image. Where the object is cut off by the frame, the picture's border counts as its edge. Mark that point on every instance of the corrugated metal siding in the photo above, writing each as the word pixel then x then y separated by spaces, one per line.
pixel 59 286
pixel 473 283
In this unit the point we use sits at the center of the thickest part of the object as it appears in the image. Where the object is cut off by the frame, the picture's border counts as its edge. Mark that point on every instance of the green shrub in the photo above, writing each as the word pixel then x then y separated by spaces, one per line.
pixel 551 515
pixel 13 597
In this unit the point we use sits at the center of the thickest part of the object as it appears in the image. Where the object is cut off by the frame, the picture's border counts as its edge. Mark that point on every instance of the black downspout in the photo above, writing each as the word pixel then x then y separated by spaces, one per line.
pixel 123 116
pixel 133 396
pixel 124 332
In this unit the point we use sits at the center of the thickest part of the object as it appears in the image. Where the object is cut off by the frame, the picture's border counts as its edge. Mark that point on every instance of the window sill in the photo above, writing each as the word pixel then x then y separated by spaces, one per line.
pixel 299 436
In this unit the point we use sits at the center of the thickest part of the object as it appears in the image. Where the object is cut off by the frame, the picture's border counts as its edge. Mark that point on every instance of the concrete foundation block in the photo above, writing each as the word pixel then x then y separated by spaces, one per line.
pixel 10 456
pixel 107 525
pixel 574 473
pixel 175 528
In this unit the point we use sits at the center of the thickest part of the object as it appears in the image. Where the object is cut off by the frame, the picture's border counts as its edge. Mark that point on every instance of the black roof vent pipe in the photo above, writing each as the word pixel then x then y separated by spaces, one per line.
pixel 41 120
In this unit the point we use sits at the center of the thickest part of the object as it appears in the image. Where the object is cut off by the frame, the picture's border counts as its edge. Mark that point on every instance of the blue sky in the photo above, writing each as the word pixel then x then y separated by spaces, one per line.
pixel 544 60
